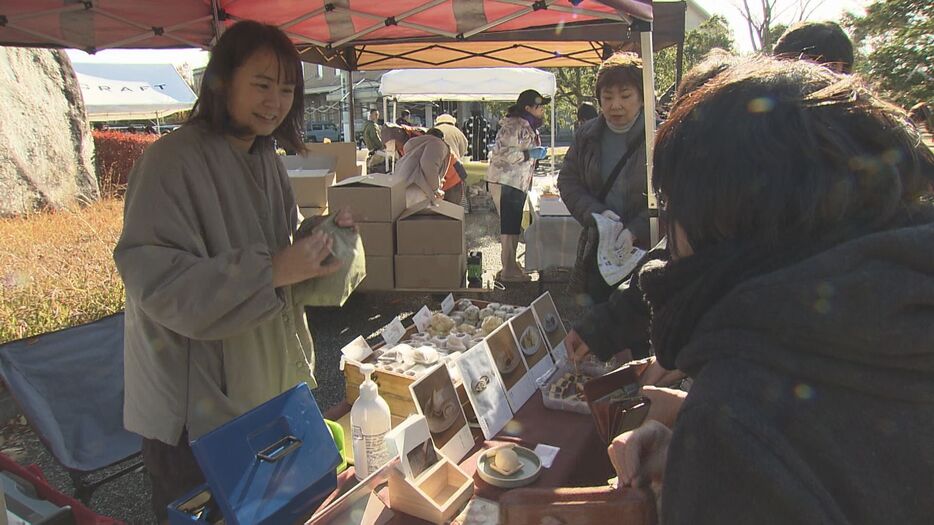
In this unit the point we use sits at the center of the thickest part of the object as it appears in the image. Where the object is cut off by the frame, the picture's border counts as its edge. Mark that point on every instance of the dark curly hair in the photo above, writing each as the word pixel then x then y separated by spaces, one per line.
pixel 769 149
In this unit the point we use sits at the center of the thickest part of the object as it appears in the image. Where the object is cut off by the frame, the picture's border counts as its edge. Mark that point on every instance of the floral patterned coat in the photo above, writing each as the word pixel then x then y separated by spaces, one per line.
pixel 509 161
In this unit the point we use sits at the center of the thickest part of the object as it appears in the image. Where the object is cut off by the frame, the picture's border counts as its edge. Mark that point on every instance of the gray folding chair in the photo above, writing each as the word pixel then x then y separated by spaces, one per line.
pixel 69 385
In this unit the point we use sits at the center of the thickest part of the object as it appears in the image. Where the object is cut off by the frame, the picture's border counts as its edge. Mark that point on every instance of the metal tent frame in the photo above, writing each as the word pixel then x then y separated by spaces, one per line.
pixel 363 35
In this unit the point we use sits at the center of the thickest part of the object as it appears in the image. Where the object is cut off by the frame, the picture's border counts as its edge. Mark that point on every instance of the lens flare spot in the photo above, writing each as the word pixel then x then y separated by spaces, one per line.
pixel 513 428
pixel 804 392
pixel 760 105
pixel 892 157
pixel 559 29
pixel 822 306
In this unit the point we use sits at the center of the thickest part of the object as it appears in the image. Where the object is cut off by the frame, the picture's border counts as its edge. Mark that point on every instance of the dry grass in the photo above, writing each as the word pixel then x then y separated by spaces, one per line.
pixel 57 269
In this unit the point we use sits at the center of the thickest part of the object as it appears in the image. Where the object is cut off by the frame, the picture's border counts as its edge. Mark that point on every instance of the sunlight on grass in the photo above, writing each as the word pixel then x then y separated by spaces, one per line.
pixel 57 269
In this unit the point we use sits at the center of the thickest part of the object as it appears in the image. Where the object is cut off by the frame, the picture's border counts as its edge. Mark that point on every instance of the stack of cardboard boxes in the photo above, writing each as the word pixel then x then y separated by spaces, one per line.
pixel 417 248
pixel 315 172
pixel 376 202
pixel 430 248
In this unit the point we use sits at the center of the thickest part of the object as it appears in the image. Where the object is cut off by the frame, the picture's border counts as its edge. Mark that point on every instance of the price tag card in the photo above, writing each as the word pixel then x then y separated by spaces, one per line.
pixel 447 304
pixel 422 319
pixel 393 332
pixel 357 350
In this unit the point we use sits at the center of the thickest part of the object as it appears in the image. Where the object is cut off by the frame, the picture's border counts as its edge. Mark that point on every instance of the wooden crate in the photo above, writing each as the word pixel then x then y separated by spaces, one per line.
pixel 394 387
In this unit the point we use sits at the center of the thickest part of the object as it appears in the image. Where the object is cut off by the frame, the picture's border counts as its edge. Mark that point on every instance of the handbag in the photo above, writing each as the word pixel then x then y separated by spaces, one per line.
pixel 590 237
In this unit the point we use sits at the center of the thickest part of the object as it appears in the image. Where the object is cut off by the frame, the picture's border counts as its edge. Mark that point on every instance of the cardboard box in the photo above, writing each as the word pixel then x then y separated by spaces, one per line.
pixel 340 157
pixel 313 212
pixel 373 198
pixel 343 153
pixel 432 272
pixel 311 187
pixel 431 229
pixel 378 238
pixel 379 274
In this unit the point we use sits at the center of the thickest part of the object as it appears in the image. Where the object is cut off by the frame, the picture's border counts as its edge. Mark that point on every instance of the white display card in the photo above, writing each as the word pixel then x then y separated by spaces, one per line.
pixel 422 319
pixel 436 399
pixel 393 332
pixel 484 389
pixel 531 342
pixel 510 366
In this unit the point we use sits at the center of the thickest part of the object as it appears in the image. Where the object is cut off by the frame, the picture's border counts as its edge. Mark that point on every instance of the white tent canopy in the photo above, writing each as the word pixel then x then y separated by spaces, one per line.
pixel 132 91
pixel 502 83
pixel 468 84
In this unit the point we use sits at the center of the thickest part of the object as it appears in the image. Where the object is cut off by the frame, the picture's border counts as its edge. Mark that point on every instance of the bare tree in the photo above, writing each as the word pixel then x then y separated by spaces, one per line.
pixel 762 15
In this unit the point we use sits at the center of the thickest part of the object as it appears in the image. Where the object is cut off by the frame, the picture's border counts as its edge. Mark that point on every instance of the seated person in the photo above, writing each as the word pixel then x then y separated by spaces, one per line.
pixel 799 296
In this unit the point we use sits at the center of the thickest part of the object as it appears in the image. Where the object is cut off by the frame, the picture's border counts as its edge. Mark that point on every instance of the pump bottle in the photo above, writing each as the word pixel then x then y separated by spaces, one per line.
pixel 370 420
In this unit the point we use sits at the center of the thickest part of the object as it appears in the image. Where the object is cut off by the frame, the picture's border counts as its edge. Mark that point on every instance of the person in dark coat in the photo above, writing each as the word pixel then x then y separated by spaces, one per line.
pixel 592 160
pixel 621 323
pixel 800 299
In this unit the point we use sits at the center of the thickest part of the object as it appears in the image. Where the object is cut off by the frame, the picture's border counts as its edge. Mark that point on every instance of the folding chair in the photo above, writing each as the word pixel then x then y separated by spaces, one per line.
pixel 69 385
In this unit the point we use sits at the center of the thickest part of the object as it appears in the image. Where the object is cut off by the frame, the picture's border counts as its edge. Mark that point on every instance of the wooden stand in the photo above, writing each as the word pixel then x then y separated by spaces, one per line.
pixel 437 494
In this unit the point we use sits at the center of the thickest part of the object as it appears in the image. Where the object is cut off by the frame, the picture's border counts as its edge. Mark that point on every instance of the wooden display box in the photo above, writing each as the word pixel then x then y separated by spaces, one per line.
pixel 436 495
pixel 394 387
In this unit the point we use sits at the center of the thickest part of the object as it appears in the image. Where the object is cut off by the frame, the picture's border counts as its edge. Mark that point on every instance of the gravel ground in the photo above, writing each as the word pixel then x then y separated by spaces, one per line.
pixel 128 498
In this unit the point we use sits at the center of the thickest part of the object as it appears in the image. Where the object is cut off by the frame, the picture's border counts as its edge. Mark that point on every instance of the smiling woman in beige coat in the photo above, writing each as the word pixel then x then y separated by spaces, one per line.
pixel 215 320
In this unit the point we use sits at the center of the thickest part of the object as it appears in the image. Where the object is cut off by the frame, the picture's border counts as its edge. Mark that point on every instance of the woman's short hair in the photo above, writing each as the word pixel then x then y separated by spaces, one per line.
pixel 435 132
pixel 235 47
pixel 822 42
pixel 770 150
pixel 716 61
pixel 586 111
pixel 620 69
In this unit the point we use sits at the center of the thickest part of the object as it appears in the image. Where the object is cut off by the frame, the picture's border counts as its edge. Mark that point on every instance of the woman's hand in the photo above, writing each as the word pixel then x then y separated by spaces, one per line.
pixel 305 259
pixel 344 218
pixel 639 456
pixel 657 375
pixel 666 403
pixel 576 348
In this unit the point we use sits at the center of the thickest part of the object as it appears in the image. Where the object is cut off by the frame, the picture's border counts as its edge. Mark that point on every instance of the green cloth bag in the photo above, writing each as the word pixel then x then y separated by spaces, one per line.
pixel 337 432
pixel 334 289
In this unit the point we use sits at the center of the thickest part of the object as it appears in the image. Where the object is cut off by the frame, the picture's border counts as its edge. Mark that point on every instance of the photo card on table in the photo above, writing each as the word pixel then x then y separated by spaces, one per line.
pixel 484 389
pixel 411 441
pixel 510 366
pixel 531 343
pixel 436 399
pixel 547 315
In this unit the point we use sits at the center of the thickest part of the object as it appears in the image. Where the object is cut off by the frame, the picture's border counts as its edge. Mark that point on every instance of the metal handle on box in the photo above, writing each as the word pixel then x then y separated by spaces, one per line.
pixel 279 449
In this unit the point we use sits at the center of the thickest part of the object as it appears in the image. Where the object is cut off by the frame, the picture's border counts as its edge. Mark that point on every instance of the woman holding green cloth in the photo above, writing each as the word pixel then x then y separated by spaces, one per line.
pixel 213 268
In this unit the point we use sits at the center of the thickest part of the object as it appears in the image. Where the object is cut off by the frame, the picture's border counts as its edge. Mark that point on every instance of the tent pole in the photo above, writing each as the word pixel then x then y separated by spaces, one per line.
pixel 350 106
pixel 385 114
pixel 648 89
pixel 553 124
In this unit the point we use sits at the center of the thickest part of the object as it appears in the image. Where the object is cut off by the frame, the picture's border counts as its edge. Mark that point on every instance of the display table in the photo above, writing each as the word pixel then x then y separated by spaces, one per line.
pixel 581 462
pixel 550 240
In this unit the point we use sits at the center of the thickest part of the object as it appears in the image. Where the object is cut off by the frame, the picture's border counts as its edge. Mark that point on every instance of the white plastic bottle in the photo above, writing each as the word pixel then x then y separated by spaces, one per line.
pixel 369 421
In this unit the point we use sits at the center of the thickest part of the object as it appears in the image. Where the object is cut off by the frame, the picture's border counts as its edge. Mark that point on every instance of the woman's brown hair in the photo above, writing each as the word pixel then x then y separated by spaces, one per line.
pixel 235 46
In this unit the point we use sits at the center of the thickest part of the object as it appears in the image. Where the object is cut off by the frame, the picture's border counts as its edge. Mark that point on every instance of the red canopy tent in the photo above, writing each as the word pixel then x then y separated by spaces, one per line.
pixel 372 34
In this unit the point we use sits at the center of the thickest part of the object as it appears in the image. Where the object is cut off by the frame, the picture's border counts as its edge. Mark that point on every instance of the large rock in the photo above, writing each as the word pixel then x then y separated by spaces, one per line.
pixel 46 148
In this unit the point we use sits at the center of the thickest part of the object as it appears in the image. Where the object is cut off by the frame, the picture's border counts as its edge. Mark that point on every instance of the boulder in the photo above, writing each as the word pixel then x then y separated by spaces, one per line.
pixel 46 147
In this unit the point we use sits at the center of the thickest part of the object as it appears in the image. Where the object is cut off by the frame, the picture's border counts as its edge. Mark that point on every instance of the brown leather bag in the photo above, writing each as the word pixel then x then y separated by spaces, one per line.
pixel 577 506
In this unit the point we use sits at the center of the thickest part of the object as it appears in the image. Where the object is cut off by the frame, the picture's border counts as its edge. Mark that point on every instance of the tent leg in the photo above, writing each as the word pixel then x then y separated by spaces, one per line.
pixel 351 103
pixel 385 114
pixel 648 89
pixel 553 124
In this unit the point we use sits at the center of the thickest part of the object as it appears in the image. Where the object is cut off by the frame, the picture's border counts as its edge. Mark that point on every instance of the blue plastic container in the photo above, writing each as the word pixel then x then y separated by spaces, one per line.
pixel 273 465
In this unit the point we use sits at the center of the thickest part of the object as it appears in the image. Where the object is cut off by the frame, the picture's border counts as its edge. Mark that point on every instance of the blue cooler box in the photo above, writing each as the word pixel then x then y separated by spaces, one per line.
pixel 273 465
